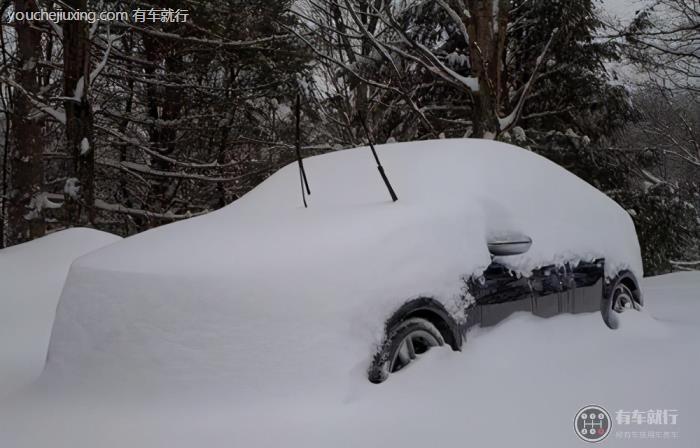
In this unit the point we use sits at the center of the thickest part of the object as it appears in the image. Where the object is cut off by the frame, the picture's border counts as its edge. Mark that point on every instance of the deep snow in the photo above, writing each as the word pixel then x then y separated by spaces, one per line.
pixel 31 279
pixel 517 384
pixel 265 299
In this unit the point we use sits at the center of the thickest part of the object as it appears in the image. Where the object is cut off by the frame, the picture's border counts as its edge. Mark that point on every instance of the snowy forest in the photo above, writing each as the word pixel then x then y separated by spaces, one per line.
pixel 124 125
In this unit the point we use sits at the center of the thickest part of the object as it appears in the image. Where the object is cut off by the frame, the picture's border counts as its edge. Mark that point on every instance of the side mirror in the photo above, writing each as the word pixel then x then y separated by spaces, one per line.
pixel 509 244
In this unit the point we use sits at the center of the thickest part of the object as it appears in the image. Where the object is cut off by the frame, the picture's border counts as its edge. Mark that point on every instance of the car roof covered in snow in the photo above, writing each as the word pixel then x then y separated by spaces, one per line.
pixel 495 187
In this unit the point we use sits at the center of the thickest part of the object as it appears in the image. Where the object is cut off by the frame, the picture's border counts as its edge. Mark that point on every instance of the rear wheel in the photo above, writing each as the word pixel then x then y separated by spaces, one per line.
pixel 621 300
pixel 405 343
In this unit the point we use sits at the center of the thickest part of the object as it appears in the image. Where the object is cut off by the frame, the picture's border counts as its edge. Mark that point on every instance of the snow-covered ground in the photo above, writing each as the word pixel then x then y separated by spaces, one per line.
pixel 31 279
pixel 517 384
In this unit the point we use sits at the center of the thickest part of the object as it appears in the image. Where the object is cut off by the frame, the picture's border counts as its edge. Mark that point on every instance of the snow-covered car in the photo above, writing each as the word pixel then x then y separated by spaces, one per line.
pixel 265 294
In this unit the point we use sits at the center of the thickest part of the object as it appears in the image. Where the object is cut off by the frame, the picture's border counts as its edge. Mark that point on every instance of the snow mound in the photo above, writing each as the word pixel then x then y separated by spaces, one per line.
pixel 31 278
pixel 507 383
pixel 265 296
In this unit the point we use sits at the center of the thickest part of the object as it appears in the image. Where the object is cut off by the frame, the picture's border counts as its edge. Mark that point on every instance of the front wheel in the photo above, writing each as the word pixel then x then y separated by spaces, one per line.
pixel 405 342
pixel 621 300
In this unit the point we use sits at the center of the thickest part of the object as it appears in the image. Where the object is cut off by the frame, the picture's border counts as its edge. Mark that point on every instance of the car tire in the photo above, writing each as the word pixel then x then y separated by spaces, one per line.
pixel 614 304
pixel 404 343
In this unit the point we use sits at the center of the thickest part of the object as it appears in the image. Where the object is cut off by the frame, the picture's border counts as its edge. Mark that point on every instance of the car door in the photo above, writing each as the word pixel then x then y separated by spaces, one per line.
pixel 550 288
pixel 498 293
pixel 548 291
pixel 569 288
pixel 587 279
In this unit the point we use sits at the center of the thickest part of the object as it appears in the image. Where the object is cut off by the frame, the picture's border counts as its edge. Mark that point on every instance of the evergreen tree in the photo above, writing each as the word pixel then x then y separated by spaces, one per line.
pixel 574 90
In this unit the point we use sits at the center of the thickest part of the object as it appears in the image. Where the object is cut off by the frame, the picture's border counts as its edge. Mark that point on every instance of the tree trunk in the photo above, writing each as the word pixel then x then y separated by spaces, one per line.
pixel 5 161
pixel 25 159
pixel 5 95
pixel 487 33
pixel 164 105
pixel 79 129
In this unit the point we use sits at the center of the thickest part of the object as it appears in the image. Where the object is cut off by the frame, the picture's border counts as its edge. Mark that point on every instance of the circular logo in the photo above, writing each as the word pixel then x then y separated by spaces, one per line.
pixel 592 423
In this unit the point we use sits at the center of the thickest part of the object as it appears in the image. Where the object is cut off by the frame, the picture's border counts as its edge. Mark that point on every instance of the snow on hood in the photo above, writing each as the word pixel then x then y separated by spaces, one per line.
pixel 264 294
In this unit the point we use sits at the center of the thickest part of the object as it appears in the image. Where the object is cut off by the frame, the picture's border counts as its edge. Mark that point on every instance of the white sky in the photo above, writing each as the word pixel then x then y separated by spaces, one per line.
pixel 623 9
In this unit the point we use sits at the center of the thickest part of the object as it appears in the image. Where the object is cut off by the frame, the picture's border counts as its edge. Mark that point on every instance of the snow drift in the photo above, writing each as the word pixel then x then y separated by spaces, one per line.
pixel 517 384
pixel 266 298
pixel 31 278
